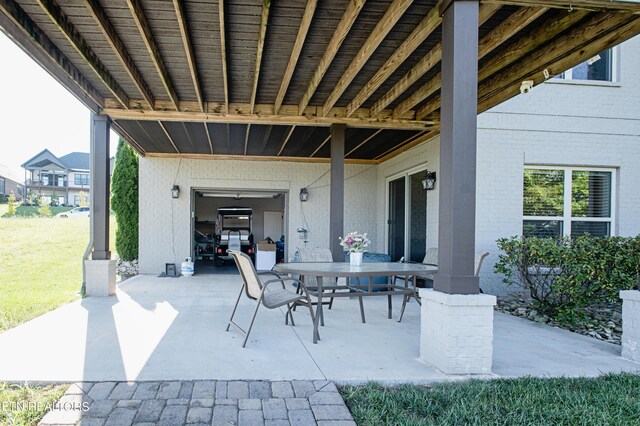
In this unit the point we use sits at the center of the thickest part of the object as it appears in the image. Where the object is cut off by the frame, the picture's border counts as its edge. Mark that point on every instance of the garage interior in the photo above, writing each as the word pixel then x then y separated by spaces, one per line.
pixel 267 223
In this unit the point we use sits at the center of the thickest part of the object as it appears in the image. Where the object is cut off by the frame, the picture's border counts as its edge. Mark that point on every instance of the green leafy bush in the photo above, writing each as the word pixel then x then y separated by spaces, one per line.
pixel 124 201
pixel 11 209
pixel 45 211
pixel 566 275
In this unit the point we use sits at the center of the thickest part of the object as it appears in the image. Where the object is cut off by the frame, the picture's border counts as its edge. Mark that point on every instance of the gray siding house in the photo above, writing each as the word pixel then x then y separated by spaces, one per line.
pixel 8 184
pixel 59 180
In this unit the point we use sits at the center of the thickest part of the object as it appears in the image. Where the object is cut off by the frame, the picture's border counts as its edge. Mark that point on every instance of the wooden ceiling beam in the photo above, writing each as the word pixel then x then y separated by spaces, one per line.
pixel 188 49
pixel 550 29
pixel 364 142
pixel 348 18
pixel 407 145
pixel 424 65
pixel 25 33
pixel 286 140
pixel 307 18
pixel 565 62
pixel 264 20
pixel 382 28
pixel 64 25
pixel 264 116
pixel 590 5
pixel 147 37
pixel 223 52
pixel 569 50
pixel 206 129
pixel 424 29
pixel 255 158
pixel 164 129
pixel 119 49
pixel 326 141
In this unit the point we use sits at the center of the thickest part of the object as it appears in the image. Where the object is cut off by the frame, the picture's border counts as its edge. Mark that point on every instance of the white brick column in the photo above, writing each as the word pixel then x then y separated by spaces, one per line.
pixel 631 324
pixel 456 331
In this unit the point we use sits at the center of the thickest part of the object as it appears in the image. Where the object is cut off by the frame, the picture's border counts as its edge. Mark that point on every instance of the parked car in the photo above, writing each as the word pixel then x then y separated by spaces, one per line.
pixel 75 212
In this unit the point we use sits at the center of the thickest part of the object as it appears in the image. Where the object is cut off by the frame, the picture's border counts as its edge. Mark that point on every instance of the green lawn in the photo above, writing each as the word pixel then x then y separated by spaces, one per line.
pixel 26 211
pixel 15 400
pixel 607 400
pixel 41 265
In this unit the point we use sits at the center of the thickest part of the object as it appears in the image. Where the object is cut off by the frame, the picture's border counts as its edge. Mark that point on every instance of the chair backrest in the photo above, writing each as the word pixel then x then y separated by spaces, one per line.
pixel 318 255
pixel 431 256
pixel 253 287
pixel 480 255
pixel 234 242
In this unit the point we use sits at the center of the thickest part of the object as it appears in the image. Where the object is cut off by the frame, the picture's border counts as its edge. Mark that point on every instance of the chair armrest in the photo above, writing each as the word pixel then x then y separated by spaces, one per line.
pixel 270 273
pixel 282 280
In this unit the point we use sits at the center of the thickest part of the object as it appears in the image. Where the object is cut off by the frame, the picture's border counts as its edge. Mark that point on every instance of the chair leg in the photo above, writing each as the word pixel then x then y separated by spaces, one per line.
pixel 390 306
pixel 331 300
pixel 404 305
pixel 235 307
pixel 361 310
pixel 252 321
pixel 290 315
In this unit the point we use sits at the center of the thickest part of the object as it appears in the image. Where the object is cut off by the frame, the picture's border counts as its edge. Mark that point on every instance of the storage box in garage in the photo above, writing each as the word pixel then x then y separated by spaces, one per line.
pixel 265 256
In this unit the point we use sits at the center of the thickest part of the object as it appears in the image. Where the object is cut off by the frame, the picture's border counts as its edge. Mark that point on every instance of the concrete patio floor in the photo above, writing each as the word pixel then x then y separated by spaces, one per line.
pixel 174 329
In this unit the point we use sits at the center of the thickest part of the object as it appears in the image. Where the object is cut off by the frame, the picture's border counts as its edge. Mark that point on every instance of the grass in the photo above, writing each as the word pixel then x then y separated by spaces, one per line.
pixel 41 265
pixel 15 407
pixel 608 400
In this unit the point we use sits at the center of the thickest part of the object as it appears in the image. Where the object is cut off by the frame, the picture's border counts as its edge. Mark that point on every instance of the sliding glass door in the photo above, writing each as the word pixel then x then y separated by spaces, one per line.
pixel 407 217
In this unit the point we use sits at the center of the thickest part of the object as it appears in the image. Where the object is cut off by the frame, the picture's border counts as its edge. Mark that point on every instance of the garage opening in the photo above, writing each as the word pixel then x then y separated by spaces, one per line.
pixel 253 222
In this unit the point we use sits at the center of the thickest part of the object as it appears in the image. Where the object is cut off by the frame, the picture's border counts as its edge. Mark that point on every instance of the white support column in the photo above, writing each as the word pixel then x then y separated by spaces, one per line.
pixel 456 331
pixel 631 324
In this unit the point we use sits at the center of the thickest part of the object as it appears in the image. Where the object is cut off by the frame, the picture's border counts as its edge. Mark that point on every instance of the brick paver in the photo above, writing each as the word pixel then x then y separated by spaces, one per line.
pixel 202 402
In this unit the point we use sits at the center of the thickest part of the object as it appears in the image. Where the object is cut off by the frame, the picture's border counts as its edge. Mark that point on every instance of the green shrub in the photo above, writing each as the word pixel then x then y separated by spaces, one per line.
pixel 11 208
pixel 566 275
pixel 45 211
pixel 124 201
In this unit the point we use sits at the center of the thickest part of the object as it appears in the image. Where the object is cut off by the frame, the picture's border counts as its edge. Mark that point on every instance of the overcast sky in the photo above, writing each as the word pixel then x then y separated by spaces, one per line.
pixel 36 112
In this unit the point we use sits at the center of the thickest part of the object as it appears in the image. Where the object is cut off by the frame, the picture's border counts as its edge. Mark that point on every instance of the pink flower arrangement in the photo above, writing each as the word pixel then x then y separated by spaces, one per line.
pixel 355 242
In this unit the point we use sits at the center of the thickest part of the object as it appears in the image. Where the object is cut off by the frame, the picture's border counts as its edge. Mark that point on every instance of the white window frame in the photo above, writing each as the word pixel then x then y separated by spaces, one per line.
pixel 568 74
pixel 567 218
pixel 407 207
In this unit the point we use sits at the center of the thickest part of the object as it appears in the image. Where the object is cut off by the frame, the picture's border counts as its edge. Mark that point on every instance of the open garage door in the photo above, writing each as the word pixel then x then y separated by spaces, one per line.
pixel 237 219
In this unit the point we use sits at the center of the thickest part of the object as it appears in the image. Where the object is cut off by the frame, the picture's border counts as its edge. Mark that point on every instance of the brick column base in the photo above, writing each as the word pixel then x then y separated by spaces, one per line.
pixel 456 331
pixel 631 324
pixel 101 277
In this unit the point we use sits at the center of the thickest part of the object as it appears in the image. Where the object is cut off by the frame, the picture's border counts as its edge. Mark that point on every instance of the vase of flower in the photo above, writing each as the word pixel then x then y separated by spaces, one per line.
pixel 355 258
pixel 355 243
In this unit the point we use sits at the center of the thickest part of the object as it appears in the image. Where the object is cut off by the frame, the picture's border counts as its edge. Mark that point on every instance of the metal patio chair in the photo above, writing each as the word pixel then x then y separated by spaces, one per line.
pixel 264 294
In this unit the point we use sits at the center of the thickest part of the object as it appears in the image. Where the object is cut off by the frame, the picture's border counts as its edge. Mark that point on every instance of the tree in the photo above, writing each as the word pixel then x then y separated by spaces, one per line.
pixel 124 201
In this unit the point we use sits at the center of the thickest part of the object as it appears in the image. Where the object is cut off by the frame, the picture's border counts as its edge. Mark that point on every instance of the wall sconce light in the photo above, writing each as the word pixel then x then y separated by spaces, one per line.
pixel 304 194
pixel 175 191
pixel 429 180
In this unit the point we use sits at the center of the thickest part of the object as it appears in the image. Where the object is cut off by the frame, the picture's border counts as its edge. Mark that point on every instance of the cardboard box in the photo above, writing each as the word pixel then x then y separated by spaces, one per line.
pixel 265 247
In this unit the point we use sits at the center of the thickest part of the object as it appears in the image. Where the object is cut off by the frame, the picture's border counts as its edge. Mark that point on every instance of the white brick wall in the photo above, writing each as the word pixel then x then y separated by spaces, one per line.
pixel 162 217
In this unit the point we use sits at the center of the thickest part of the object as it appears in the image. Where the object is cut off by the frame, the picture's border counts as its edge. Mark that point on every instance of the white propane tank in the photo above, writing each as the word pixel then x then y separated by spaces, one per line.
pixel 187 267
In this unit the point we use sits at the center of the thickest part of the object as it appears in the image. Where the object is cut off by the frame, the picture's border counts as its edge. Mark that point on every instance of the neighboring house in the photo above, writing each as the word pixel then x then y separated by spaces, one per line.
pixel 561 160
pixel 8 184
pixel 58 180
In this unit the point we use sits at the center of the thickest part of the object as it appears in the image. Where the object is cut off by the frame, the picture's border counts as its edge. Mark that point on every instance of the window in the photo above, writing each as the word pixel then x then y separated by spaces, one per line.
pixel 81 179
pixel 599 68
pixel 567 201
pixel 2 188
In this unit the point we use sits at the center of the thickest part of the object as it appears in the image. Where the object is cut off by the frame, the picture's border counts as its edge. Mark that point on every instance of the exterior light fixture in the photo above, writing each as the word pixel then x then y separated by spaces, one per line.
pixel 304 194
pixel 429 180
pixel 175 191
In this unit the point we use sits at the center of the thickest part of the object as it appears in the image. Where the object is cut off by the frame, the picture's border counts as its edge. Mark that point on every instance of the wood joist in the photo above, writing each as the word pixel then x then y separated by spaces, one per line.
pixel 370 65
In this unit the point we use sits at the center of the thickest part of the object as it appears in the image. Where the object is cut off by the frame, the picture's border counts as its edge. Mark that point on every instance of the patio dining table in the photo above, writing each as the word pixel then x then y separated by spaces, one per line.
pixel 366 270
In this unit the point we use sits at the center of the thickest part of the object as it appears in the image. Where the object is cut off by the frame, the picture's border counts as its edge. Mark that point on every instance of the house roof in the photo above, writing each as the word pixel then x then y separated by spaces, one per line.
pixel 76 160
pixel 41 159
pixel 265 79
